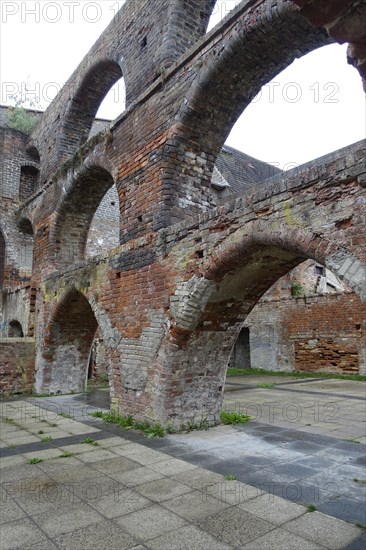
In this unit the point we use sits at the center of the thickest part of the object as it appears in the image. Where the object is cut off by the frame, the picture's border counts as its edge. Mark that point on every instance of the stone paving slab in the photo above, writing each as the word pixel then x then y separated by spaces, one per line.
pixel 151 522
pixel 16 533
pixel 322 530
pixel 279 538
pixel 182 538
pixel 105 534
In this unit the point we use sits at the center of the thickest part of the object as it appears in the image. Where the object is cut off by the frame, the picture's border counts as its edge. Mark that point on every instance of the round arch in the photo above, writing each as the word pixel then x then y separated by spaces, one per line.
pixel 67 343
pixel 234 73
pixel 25 225
pixel 63 356
pixel 75 213
pixel 85 102
pixel 245 265
pixel 213 305
pixel 15 329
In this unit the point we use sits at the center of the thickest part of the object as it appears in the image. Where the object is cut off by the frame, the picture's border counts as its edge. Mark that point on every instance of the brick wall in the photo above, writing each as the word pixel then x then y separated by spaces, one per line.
pixel 315 333
pixel 16 305
pixel 16 369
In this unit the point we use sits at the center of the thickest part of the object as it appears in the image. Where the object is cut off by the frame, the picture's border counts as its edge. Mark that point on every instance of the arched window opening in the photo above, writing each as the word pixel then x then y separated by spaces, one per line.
pixel 84 105
pixel 26 245
pixel 111 107
pixel 104 230
pixel 71 335
pixel 304 112
pixel 76 214
pixel 114 102
pixel 2 259
pixel 15 330
pixel 25 226
pixel 29 181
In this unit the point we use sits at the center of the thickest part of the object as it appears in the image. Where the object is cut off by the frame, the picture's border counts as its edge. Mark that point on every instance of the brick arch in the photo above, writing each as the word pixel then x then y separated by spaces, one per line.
pixel 67 343
pixel 245 265
pixel 298 242
pixel 75 212
pixel 25 225
pixel 208 311
pixel 84 103
pixel 33 152
pixel 186 23
pixel 262 42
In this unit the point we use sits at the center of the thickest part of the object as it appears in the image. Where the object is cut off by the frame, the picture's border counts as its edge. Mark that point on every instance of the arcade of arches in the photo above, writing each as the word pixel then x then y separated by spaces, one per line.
pixel 187 252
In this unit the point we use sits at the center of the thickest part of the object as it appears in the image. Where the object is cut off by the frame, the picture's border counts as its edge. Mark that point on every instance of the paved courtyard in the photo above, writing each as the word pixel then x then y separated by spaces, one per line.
pixel 90 485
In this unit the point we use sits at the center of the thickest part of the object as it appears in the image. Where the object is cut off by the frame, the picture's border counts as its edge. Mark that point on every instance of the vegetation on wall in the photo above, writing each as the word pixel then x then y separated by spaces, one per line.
pixel 20 119
pixel 20 115
pixel 297 290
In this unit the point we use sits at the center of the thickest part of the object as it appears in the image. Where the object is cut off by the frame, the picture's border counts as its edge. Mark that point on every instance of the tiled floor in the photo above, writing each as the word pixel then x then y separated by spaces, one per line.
pixel 129 492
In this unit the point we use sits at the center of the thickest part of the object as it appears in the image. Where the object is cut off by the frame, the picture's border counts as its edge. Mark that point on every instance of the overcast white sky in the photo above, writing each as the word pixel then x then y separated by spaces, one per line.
pixel 315 106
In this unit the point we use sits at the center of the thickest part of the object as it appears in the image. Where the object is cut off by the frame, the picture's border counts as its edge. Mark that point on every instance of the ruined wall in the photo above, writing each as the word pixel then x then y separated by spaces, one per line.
pixel 308 320
pixel 17 305
pixel 16 370
pixel 16 232
pixel 315 333
pixel 140 43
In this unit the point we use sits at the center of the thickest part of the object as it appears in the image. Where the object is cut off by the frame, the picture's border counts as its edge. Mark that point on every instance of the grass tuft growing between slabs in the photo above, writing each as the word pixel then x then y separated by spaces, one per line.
pixel 34 460
pixel 129 423
pixel 311 508
pixel 157 430
pixel 235 418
